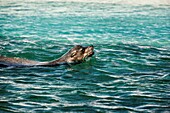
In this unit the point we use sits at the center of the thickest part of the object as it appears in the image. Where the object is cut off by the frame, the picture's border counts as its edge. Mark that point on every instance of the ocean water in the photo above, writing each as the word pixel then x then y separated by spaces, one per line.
pixel 129 73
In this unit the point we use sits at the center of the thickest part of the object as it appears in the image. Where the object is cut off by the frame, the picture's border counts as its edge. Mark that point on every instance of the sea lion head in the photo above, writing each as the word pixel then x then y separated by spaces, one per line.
pixel 79 53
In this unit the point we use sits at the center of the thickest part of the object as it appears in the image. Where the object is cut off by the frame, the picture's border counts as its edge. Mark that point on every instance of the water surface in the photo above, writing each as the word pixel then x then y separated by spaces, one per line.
pixel 130 71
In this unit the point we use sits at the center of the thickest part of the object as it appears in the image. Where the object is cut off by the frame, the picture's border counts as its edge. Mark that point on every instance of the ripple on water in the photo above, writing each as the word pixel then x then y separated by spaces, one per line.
pixel 128 73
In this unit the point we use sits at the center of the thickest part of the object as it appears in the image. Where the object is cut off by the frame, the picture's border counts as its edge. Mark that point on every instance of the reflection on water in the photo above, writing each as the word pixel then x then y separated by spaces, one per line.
pixel 128 73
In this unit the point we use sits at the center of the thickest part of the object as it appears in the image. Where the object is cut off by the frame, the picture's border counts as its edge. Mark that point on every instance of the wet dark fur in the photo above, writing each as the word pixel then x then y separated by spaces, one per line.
pixel 76 55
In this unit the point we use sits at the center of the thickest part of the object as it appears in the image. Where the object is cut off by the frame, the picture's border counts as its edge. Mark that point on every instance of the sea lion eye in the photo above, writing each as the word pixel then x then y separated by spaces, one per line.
pixel 82 50
pixel 73 53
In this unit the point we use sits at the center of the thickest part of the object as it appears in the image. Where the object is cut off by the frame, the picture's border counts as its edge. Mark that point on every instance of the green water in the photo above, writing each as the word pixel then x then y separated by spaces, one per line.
pixel 130 71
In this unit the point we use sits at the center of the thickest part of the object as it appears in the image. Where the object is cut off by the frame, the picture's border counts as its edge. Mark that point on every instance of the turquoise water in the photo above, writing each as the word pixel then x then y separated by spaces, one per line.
pixel 130 71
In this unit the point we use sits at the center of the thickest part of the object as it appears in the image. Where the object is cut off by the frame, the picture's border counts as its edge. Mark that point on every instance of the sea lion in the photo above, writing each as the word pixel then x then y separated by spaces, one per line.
pixel 76 55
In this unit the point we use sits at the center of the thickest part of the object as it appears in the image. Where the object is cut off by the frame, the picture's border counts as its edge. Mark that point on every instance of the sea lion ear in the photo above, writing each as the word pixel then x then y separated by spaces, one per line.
pixel 78 46
pixel 73 53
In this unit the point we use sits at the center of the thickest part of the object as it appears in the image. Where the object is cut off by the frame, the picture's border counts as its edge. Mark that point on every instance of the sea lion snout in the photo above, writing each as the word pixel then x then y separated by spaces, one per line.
pixel 89 51
pixel 79 53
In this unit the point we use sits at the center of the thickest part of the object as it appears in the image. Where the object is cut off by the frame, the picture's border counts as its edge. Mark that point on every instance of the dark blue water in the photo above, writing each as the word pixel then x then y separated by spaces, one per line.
pixel 130 71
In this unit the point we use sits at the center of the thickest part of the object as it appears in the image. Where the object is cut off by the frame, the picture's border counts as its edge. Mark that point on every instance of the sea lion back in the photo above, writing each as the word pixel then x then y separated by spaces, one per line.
pixel 7 61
